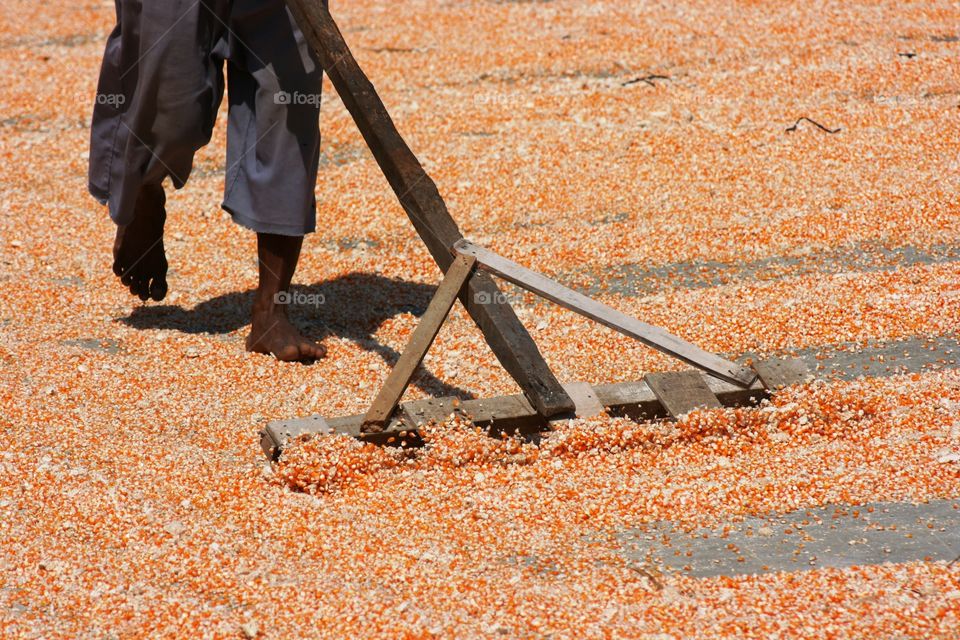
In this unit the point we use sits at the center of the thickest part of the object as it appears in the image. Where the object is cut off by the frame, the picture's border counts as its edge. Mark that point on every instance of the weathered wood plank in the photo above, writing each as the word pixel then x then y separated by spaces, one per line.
pixel 777 373
pixel 503 412
pixel 585 398
pixel 606 315
pixel 278 433
pixel 732 395
pixel 420 412
pixel 681 392
pixel 420 198
pixel 638 400
pixel 423 336
pixel 633 400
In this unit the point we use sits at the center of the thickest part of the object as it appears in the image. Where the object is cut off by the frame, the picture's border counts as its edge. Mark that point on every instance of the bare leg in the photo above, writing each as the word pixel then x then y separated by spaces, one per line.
pixel 271 331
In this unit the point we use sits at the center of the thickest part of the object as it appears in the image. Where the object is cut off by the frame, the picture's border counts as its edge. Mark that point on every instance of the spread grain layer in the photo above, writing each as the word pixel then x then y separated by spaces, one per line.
pixel 134 498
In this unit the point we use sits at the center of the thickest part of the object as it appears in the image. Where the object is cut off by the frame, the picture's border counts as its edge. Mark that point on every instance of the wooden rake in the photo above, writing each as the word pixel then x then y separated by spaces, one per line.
pixel 468 268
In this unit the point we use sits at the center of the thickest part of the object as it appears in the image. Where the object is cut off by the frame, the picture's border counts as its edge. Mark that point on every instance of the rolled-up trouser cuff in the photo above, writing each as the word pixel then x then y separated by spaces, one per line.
pixel 261 226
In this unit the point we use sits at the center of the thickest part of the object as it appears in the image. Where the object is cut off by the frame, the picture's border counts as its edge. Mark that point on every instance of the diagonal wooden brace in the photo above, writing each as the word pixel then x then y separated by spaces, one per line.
pixel 606 315
pixel 389 397
pixel 418 194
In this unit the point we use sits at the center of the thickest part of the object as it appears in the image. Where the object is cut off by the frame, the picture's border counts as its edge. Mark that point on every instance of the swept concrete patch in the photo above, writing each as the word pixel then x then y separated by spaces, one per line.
pixel 95 344
pixel 831 536
pixel 847 361
pixel 640 279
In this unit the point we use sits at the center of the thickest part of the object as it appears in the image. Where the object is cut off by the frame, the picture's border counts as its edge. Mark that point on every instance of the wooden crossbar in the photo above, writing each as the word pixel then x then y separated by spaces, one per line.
pixel 635 400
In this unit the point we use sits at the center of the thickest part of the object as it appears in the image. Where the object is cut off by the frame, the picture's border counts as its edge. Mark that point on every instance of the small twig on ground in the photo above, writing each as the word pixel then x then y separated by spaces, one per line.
pixel 648 79
pixel 652 576
pixel 813 122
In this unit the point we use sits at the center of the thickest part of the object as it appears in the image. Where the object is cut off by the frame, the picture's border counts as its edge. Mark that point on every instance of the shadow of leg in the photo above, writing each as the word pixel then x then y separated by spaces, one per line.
pixel 352 307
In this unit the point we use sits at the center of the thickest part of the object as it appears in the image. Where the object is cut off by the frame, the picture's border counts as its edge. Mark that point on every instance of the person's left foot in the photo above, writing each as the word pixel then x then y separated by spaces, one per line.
pixel 272 333
pixel 138 256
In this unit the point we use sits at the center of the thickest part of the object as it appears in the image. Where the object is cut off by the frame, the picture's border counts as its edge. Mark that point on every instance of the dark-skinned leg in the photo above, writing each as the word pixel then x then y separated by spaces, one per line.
pixel 270 330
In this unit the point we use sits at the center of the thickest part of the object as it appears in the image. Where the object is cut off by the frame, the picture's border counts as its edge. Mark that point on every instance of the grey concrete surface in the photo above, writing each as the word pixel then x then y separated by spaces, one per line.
pixel 830 536
pixel 642 279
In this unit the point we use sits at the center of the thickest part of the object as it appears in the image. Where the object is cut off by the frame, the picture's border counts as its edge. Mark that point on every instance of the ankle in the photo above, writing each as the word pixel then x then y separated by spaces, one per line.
pixel 151 205
pixel 270 303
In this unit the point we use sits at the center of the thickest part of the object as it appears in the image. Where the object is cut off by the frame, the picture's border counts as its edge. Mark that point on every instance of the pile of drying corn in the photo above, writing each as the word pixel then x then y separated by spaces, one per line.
pixel 134 499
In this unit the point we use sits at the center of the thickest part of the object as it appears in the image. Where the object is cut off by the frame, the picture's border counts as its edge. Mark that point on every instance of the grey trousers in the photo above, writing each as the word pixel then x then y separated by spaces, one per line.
pixel 160 87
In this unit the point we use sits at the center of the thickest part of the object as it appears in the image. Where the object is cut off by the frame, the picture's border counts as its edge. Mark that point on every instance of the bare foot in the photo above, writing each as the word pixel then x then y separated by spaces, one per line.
pixel 138 256
pixel 270 330
pixel 272 333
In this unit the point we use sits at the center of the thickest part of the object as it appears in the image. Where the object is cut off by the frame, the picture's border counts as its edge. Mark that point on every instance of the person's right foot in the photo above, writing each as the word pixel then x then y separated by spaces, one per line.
pixel 272 333
pixel 138 257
